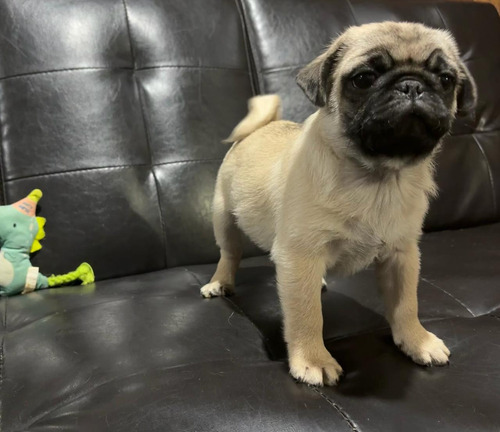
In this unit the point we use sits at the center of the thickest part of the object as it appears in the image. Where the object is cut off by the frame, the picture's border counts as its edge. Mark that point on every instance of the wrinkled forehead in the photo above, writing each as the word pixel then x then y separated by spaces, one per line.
pixel 398 45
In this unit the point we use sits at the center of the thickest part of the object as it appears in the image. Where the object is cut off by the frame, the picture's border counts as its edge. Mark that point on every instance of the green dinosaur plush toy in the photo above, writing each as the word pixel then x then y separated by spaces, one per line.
pixel 20 232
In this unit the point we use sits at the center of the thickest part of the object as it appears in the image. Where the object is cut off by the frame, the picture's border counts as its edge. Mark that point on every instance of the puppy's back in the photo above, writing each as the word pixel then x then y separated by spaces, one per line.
pixel 249 178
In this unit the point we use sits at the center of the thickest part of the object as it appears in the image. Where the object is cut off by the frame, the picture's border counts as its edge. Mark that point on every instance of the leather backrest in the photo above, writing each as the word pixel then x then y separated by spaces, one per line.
pixel 116 109
pixel 285 35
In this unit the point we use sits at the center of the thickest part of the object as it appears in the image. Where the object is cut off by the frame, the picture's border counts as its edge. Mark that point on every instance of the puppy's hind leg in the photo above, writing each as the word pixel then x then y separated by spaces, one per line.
pixel 228 237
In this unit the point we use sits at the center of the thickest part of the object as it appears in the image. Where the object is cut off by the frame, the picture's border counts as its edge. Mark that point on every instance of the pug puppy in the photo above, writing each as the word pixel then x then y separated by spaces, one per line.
pixel 348 187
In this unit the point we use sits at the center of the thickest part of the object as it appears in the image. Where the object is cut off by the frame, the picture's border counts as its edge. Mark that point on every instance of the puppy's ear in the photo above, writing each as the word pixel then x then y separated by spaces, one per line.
pixel 315 79
pixel 467 93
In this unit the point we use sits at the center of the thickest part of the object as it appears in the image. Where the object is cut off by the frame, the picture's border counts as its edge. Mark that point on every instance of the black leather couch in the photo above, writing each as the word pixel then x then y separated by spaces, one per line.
pixel 116 110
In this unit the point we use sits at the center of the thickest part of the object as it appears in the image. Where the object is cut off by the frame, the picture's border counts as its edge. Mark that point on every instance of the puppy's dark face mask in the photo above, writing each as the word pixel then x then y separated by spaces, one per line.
pixel 398 109
pixel 395 99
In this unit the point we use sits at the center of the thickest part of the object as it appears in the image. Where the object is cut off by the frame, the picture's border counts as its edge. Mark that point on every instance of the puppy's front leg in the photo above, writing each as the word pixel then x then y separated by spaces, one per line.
pixel 299 287
pixel 398 273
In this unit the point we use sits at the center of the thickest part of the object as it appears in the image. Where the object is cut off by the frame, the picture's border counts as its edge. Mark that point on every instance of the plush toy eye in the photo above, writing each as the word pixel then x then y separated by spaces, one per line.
pixel 447 81
pixel 15 225
pixel 364 80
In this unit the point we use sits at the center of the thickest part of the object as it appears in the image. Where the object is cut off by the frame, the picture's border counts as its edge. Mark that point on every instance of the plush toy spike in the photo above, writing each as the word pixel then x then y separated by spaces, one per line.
pixel 20 234
pixel 36 246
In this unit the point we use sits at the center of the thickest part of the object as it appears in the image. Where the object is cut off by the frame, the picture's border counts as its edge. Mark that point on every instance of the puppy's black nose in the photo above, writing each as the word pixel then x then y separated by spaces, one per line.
pixel 410 87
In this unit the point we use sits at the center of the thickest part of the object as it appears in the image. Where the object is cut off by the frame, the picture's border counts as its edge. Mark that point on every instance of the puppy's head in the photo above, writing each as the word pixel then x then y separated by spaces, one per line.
pixel 392 88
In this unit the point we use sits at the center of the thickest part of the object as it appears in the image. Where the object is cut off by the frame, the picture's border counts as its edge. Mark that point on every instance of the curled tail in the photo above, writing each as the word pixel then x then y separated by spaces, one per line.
pixel 261 111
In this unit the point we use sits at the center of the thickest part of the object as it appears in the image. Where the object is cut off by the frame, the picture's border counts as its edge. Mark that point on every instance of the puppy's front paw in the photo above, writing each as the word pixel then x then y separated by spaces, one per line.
pixel 424 348
pixel 215 289
pixel 315 369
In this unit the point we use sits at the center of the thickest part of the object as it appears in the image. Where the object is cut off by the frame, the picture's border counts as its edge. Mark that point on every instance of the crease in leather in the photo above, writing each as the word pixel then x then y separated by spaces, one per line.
pixel 490 175
pixel 118 167
pixel 451 295
pixel 339 409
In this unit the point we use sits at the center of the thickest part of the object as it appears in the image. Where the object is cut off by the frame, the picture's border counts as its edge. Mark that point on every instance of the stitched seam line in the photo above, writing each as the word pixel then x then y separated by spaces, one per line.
pixel 282 69
pixel 111 167
pixel 257 75
pixel 445 25
pixel 217 68
pixel 146 132
pixel 452 296
pixel 28 74
pixel 490 174
pixel 351 9
pixel 251 69
pixel 98 68
pixel 339 409
pixel 3 191
pixel 476 132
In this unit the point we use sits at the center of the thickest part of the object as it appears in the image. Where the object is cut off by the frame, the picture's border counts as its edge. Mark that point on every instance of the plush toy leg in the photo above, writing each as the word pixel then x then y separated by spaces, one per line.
pixel 84 273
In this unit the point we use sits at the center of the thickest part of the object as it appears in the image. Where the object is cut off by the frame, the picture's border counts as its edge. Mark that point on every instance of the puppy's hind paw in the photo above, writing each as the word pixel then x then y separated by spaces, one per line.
pixel 215 289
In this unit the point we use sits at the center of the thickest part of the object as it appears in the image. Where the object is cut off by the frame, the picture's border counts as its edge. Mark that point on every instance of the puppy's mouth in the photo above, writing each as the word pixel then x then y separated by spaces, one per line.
pixel 403 128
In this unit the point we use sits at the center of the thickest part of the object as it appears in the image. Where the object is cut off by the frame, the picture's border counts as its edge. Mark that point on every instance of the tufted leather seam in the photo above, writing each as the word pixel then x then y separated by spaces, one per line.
pixel 353 13
pixel 282 69
pixel 98 68
pixel 221 68
pixel 146 131
pixel 449 294
pixel 28 74
pixel 490 174
pixel 251 69
pixel 339 409
pixel 194 161
pixel 438 11
pixel 3 190
pixel 109 168
pixel 256 75
pixel 476 132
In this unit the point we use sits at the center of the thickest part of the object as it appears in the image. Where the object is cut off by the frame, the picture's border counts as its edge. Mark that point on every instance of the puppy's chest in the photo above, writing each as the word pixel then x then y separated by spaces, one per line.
pixel 347 254
pixel 371 230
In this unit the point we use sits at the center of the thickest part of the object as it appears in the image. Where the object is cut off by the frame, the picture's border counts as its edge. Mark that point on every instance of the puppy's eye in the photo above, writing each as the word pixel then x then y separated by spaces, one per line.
pixel 364 80
pixel 447 81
